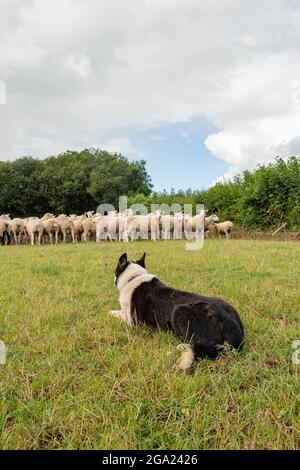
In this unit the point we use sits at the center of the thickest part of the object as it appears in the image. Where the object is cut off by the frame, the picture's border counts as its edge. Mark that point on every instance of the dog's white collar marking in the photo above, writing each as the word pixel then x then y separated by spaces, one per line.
pixel 133 276
pixel 132 272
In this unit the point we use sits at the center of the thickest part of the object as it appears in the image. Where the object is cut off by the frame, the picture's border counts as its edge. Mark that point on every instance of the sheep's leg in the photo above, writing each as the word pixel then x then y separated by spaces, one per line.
pixel 154 235
pixel 133 235
pixel 39 238
pixel 56 237
pixel 64 237
pixel 15 238
pixel 32 238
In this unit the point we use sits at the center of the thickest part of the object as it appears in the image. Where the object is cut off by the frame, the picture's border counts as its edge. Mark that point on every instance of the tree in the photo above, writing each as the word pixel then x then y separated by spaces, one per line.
pixel 72 182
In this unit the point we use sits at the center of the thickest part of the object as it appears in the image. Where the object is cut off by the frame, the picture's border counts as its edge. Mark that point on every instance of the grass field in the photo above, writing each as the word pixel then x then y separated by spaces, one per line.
pixel 76 378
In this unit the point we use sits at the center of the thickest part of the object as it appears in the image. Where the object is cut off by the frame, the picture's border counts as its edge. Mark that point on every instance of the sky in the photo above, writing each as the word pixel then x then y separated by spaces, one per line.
pixel 201 90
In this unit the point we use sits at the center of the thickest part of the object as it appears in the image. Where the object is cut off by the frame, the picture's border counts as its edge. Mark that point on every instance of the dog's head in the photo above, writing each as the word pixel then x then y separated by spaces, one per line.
pixel 124 263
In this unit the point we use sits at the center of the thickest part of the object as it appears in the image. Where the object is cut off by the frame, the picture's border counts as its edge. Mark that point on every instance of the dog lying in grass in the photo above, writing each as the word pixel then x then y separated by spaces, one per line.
pixel 207 325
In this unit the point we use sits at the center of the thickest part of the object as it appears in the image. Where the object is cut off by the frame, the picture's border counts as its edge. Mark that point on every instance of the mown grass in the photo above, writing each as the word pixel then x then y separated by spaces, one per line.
pixel 76 378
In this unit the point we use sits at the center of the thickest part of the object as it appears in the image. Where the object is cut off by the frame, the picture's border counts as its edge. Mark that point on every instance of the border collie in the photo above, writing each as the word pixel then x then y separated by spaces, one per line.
pixel 207 325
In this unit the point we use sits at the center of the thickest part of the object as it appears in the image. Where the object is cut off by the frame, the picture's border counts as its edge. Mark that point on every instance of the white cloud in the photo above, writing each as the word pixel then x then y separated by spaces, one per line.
pixel 2 92
pixel 75 70
pixel 120 145
pixel 80 64
pixel 260 114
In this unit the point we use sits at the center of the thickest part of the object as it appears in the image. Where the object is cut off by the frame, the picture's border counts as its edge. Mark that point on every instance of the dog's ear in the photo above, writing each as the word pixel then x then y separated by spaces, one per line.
pixel 122 260
pixel 141 261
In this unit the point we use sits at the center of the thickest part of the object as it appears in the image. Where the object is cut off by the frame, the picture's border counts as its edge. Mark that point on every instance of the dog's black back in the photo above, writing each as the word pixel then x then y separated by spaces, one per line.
pixel 210 324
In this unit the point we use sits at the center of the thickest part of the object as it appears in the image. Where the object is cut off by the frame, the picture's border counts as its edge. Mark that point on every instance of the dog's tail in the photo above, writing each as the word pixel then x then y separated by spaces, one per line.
pixel 200 326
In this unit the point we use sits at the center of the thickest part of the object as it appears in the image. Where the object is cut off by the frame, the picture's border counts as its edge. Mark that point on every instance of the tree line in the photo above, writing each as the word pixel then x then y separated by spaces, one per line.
pixel 258 200
pixel 74 182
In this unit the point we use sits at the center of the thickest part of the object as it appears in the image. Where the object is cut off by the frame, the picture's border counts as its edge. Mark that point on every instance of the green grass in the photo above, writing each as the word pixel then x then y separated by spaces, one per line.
pixel 76 378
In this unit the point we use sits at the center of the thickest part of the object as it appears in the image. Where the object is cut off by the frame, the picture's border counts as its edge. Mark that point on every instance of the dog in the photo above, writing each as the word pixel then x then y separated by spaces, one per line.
pixel 207 325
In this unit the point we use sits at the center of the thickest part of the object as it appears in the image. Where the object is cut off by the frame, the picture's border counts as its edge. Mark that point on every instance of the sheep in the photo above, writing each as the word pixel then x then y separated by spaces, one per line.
pixel 78 227
pixel 137 226
pixel 101 223
pixel 51 227
pixel 209 229
pixel 127 213
pixel 47 216
pixel 155 225
pixel 178 225
pixel 89 228
pixel 109 227
pixel 114 226
pixel 224 227
pixel 142 226
pixel 167 226
pixel 16 228
pixel 34 227
pixel 3 231
pixel 66 226
pixel 208 220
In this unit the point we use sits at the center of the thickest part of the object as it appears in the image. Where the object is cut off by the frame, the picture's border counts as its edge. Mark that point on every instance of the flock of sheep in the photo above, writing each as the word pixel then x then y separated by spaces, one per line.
pixel 113 226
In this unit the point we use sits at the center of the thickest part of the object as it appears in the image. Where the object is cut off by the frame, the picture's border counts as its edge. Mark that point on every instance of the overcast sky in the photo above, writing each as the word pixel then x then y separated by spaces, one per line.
pixel 198 88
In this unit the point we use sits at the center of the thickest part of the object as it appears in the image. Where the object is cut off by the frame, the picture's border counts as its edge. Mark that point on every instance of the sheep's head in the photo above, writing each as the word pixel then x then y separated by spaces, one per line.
pixel 47 216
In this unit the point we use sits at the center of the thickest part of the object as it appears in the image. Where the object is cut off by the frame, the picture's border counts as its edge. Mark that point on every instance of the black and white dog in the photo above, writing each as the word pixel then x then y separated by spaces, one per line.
pixel 208 325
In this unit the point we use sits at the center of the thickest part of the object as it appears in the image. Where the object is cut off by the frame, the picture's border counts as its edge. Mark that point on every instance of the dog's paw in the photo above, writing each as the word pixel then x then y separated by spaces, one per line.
pixel 115 313
pixel 183 347
pixel 187 357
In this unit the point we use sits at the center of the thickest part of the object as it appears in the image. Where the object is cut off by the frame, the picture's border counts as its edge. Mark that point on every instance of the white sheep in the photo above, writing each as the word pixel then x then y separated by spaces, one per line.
pixel 16 228
pixel 35 228
pixel 224 227
pixel 51 227
pixel 66 226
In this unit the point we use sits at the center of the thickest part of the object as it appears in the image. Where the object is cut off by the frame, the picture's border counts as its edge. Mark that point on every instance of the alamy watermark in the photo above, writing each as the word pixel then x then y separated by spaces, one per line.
pixel 162 222
pixel 296 352
pixel 295 94
pixel 2 92
pixel 3 351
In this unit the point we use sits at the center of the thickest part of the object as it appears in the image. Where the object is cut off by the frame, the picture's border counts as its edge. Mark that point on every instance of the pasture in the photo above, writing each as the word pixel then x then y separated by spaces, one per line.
pixel 76 378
